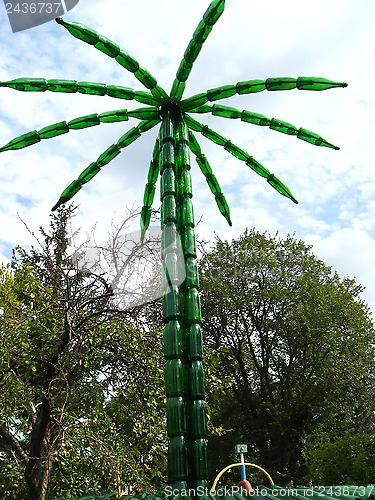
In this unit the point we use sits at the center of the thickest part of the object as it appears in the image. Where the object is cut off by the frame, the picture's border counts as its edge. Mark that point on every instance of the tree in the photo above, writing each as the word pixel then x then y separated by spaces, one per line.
pixel 294 344
pixel 187 451
pixel 68 357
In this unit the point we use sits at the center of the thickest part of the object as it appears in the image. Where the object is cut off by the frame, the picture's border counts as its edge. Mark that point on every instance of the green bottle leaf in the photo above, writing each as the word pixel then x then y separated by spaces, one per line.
pixel 88 173
pixel 92 88
pixel 67 86
pixel 222 92
pixel 255 118
pixel 127 61
pixel 145 98
pixel 194 102
pixel 119 115
pixel 250 87
pixel 314 83
pixel 120 92
pixel 150 113
pixel 234 150
pixel 284 127
pixel 257 167
pixel 214 11
pixel 108 47
pixel 225 111
pixel 53 130
pixel 131 135
pixel 84 122
pixel 26 84
pixel 280 187
pixel 80 31
pixel 312 138
pixel 223 207
pixel 108 155
pixel 22 141
pixel 282 83
pixel 145 78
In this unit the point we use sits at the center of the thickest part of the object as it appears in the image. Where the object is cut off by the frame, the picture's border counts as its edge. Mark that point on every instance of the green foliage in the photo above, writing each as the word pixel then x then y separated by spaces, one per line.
pixel 81 381
pixel 293 345
pixel 345 459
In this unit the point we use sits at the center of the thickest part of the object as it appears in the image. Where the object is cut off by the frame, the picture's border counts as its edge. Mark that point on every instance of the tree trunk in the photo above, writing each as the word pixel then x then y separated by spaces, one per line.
pixel 187 453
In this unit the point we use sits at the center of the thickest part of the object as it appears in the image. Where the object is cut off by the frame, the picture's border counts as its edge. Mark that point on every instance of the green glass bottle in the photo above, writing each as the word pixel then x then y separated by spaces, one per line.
pixel 168 209
pixel 84 122
pixel 26 84
pixel 177 465
pixel 187 213
pixel 204 165
pixel 214 11
pixel 237 152
pixel 202 31
pixel 171 304
pixel 192 306
pixel 145 98
pixel 168 182
pixel 88 173
pixel 145 78
pixel 188 242
pixel 169 239
pixel 255 118
pixel 195 343
pixel 167 155
pixel 192 51
pixel 197 419
pixel 250 87
pixel 80 31
pixel 198 460
pixel 177 90
pixel 194 102
pixel 174 345
pixel 184 188
pixel 184 70
pixel 175 374
pixel 166 133
pixel 213 136
pixel 226 111
pixel 22 141
pixel 144 113
pixel 119 115
pixel 172 270
pixel 108 155
pixel 127 61
pixel 53 130
pixel 196 380
pixel 108 47
pixel 257 167
pixel 284 127
pixel 92 88
pixel 120 92
pixel 221 92
pixel 282 83
pixel 149 194
pixel 176 413
pixel 314 83
pixel 130 136
pixel 67 86
pixel 192 274
pixel 183 155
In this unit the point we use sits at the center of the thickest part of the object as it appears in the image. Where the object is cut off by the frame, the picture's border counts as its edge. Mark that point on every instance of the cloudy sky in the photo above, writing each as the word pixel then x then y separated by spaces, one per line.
pixel 252 40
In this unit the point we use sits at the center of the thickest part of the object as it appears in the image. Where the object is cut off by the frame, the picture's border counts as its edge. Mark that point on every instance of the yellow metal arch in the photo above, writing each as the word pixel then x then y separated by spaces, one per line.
pixel 238 465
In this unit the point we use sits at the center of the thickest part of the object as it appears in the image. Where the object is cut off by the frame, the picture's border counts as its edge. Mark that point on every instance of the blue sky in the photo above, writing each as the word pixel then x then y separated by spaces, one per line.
pixel 336 189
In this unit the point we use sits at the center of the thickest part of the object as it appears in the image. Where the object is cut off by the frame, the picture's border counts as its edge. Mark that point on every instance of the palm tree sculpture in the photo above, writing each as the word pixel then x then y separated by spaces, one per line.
pixel 171 157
